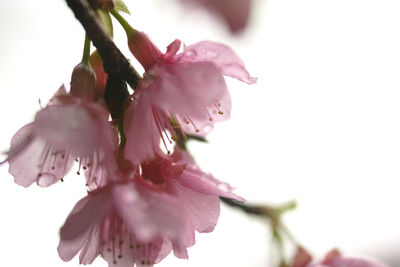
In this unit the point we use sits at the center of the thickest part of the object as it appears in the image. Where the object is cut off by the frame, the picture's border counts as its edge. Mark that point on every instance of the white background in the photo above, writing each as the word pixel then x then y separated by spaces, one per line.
pixel 321 126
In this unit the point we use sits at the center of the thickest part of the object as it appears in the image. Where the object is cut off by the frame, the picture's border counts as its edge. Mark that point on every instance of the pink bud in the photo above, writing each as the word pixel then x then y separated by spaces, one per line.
pixel 302 258
pixel 101 76
pixel 143 49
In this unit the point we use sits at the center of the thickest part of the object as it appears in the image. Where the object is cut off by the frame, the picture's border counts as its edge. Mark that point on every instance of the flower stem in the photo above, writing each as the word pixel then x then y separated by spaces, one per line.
pixel 114 61
pixel 128 28
pixel 86 51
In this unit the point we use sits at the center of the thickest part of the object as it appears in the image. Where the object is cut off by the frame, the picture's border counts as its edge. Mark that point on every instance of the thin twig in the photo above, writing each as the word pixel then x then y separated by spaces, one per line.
pixel 115 63
pixel 261 210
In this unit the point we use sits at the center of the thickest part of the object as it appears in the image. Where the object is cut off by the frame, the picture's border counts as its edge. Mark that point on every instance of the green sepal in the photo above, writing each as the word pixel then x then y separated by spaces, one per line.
pixel 106 21
pixel 121 7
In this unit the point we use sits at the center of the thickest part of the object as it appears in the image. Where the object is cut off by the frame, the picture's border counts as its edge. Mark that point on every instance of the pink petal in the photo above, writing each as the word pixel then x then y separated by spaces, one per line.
pixel 198 181
pixel 148 213
pixel 234 12
pixel 187 88
pixel 67 249
pixel 221 55
pixel 81 129
pixel 140 128
pixel 172 49
pixel 218 111
pixel 31 159
pixel 355 262
pixel 91 249
pixel 86 213
pixel 203 210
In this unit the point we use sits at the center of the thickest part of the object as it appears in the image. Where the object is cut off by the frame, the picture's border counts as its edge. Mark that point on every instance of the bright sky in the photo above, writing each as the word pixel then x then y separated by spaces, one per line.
pixel 322 125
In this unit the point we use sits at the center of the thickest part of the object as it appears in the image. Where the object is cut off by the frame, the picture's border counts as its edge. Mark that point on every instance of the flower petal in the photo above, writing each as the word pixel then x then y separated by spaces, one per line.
pixel 221 55
pixel 140 128
pixel 148 213
pixel 91 248
pixel 203 210
pixel 198 181
pixel 31 159
pixel 80 128
pixel 187 88
pixel 86 213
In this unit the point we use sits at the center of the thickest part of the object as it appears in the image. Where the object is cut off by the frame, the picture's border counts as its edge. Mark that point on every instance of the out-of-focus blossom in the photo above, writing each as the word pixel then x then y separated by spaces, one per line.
pixel 234 12
pixel 185 92
pixel 334 259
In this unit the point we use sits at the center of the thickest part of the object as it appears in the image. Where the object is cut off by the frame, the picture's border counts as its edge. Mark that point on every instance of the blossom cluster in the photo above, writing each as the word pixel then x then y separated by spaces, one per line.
pixel 146 195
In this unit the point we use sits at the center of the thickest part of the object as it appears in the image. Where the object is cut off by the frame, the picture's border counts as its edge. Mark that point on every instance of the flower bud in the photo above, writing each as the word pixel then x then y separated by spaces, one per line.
pixel 83 82
pixel 101 76
pixel 302 258
pixel 143 49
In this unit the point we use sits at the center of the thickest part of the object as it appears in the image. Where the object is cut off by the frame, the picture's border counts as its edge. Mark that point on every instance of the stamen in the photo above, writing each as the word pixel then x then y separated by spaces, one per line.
pixel 79 168
pixel 159 127
pixel 209 116
pixel 217 106
pixel 194 125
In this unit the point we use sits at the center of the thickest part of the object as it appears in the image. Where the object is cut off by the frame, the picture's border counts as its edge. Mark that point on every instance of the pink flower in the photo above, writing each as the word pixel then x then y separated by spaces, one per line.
pixel 334 259
pixel 139 221
pixel 127 223
pixel 234 12
pixel 197 192
pixel 67 129
pixel 185 92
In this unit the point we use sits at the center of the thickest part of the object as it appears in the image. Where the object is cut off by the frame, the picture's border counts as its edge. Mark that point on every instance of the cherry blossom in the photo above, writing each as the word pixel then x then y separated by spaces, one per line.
pixel 183 92
pixel 143 217
pixel 68 129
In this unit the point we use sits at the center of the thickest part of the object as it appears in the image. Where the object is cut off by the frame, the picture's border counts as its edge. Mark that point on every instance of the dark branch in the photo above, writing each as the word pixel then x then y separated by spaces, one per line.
pixel 115 63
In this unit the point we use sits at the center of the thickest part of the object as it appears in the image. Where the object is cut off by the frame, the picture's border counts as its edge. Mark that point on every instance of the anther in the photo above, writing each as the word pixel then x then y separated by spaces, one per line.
pixel 62 179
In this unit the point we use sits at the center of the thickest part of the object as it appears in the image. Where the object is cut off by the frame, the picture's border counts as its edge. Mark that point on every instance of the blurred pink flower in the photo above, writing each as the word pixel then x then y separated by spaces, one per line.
pixel 139 221
pixel 334 259
pixel 234 12
pixel 185 92
pixel 67 129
